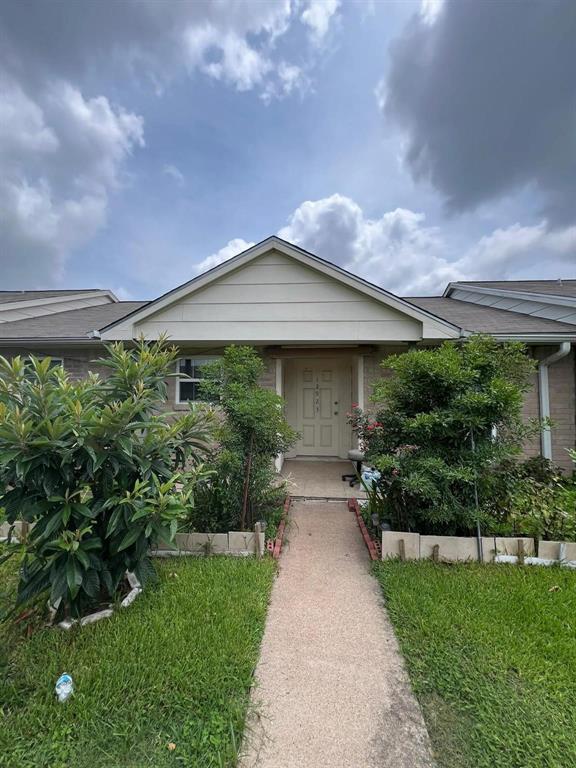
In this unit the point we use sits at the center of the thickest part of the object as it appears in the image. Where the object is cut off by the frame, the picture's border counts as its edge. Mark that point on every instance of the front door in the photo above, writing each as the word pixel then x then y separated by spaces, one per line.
pixel 318 408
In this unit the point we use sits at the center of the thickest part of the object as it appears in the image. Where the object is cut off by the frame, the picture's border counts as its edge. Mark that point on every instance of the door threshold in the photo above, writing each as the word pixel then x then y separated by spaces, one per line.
pixel 315 458
pixel 313 499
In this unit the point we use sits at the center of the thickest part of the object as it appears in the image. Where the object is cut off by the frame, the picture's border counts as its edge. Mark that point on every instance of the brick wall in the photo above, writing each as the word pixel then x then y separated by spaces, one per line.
pixel 373 370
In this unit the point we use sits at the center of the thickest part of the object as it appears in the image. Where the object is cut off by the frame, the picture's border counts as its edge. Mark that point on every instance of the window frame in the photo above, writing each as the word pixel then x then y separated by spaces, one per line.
pixel 189 379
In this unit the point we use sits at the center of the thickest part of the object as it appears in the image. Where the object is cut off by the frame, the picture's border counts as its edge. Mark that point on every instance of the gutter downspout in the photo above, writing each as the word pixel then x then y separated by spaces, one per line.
pixel 544 394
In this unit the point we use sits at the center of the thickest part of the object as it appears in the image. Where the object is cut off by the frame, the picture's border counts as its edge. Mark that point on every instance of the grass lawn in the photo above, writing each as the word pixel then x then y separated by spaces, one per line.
pixel 175 667
pixel 491 652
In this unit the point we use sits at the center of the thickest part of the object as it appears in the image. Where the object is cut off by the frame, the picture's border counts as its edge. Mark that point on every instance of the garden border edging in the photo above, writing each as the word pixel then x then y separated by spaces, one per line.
pixel 495 549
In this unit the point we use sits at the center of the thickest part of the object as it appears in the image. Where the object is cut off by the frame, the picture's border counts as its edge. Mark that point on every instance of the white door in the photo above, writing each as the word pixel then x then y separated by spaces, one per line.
pixel 318 409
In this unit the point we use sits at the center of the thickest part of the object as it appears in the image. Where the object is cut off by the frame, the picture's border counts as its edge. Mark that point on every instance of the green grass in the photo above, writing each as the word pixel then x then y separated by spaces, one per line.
pixel 491 652
pixel 174 667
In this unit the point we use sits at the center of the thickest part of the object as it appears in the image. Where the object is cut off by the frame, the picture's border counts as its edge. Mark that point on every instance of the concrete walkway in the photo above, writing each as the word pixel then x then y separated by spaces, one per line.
pixel 331 689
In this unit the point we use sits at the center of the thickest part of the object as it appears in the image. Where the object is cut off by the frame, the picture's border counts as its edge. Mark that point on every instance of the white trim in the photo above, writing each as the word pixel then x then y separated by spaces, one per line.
pixel 543 298
pixel 544 394
pixel 431 323
pixel 360 381
pixel 530 338
pixel 279 382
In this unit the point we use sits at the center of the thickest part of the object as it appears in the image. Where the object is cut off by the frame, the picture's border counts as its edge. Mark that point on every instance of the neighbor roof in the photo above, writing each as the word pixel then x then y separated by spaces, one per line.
pixel 483 319
pixel 7 297
pixel 71 324
pixel 546 287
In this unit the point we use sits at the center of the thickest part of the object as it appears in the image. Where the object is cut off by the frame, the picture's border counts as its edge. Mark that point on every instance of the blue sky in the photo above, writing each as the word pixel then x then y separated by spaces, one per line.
pixel 145 141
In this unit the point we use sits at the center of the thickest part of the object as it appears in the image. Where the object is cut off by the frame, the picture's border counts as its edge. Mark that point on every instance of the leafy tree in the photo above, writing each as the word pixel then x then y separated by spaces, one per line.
pixel 442 422
pixel 252 433
pixel 97 468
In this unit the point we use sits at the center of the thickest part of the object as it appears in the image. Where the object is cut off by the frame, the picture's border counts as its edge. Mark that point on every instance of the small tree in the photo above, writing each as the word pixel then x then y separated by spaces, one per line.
pixel 97 468
pixel 442 421
pixel 253 432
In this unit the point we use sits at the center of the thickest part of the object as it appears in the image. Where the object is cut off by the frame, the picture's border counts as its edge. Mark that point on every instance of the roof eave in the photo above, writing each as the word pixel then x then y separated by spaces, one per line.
pixel 527 338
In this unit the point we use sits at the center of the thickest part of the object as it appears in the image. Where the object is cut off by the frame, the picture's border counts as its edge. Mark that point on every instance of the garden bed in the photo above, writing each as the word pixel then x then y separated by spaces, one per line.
pixel 175 669
pixel 491 652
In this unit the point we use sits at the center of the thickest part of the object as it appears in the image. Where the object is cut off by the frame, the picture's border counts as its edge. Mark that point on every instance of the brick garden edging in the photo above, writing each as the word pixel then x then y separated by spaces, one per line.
pixel 371 545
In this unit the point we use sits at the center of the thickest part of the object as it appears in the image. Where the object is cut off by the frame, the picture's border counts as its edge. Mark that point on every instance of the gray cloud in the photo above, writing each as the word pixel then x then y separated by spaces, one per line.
pixel 231 40
pixel 63 150
pixel 486 92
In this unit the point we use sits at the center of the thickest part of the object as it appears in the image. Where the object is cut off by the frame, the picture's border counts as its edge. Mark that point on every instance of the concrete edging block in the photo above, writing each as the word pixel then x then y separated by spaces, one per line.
pixel 451 549
pixel 553 549
pixel 241 541
pixel 508 545
pixel 391 544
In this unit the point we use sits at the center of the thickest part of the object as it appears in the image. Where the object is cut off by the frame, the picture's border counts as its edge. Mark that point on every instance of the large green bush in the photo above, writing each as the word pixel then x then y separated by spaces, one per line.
pixel 97 468
pixel 244 487
pixel 446 418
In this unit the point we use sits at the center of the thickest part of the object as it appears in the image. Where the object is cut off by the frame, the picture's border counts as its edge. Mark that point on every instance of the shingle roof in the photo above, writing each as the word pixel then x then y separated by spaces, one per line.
pixel 77 323
pixel 72 324
pixel 547 287
pixel 477 317
pixel 7 297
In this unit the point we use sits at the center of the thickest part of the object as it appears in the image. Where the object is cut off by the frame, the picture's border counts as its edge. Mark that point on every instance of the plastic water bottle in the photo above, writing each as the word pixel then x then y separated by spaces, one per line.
pixel 64 687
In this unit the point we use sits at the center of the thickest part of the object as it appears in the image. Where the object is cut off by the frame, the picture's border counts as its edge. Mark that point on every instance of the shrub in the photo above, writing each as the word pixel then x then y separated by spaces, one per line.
pixel 446 418
pixel 98 470
pixel 253 431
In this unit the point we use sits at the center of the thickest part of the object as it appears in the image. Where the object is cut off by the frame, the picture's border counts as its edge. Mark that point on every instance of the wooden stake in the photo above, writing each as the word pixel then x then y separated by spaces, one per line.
pixel 520 552
pixel 402 549
pixel 257 532
pixel 436 553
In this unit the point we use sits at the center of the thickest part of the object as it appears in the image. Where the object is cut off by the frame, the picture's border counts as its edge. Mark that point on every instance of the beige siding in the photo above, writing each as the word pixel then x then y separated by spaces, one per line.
pixel 22 310
pixel 276 299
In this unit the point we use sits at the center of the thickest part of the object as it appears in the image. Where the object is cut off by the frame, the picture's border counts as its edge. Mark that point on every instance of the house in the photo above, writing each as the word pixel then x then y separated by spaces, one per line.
pixel 322 332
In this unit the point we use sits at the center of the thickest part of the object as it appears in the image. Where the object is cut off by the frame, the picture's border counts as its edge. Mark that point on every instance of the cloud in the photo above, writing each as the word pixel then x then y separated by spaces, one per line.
pixel 62 157
pixel 175 174
pixel 485 93
pixel 318 16
pixel 518 251
pixel 233 41
pixel 63 149
pixel 397 250
pixel 232 248
pixel 401 253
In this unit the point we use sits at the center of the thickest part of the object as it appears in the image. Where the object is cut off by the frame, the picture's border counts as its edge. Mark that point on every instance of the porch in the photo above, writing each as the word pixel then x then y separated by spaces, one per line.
pixel 319 479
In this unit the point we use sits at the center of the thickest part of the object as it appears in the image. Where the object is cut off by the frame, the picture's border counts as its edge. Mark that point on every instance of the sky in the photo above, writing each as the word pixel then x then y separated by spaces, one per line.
pixel 413 143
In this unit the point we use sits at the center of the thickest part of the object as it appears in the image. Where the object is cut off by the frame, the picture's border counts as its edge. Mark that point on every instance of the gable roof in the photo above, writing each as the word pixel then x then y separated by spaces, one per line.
pixel 444 328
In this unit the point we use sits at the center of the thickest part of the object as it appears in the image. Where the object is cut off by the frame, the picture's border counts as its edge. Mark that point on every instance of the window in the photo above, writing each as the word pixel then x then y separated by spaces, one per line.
pixel 189 371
